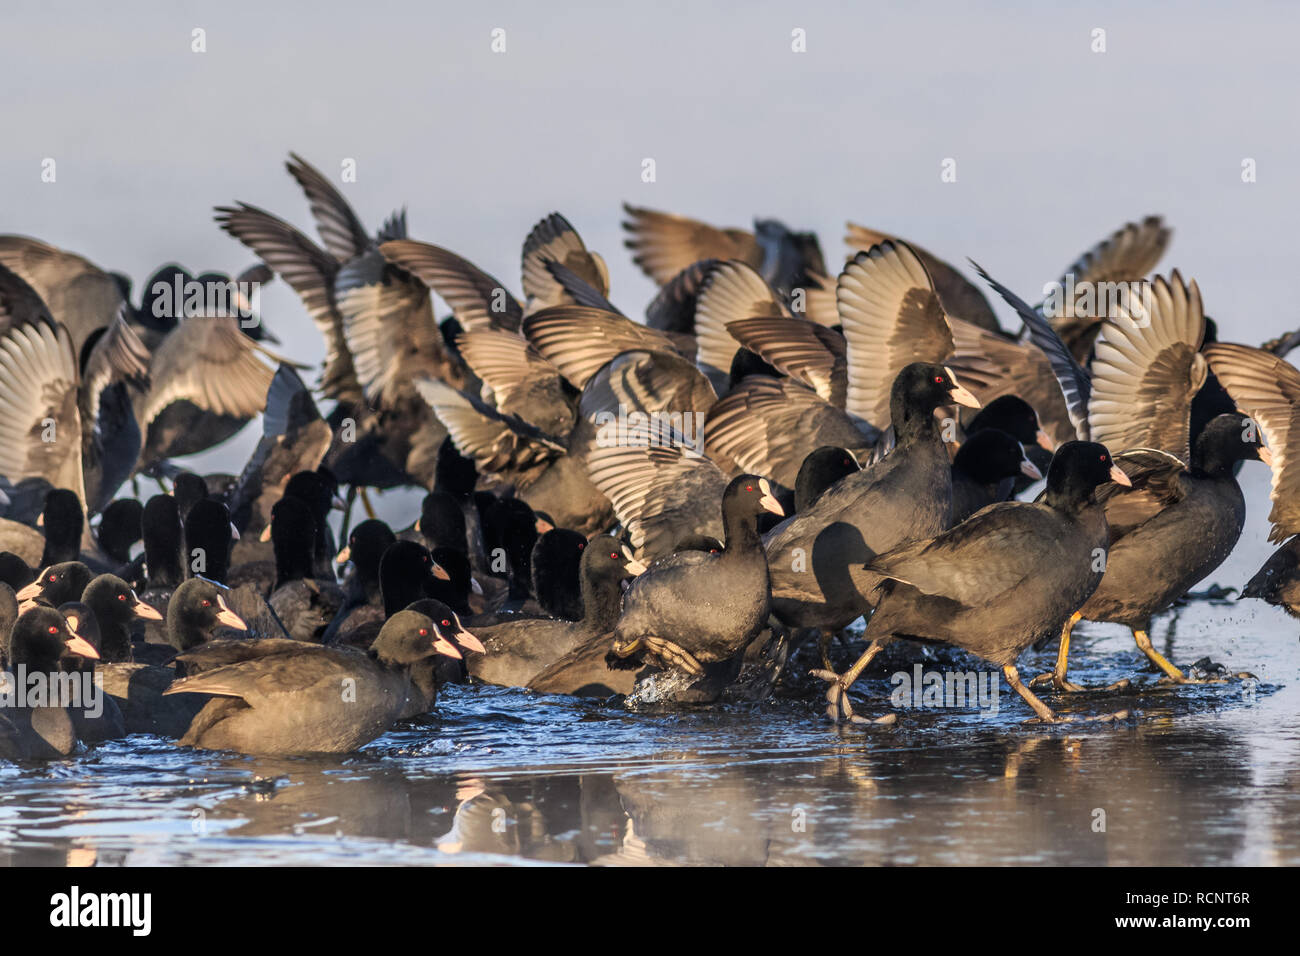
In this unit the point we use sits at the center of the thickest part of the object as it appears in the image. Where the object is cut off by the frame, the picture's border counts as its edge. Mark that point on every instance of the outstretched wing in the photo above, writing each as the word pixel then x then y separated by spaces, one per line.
pixel 959 297
pixel 338 225
pixel 1157 484
pixel 78 294
pixel 310 271
pixel 1127 255
pixel 891 317
pixel 659 492
pixel 209 362
pixel 578 340
pixel 663 244
pixel 554 240
pixel 40 422
pixel 1267 389
pixel 1075 383
pixel 1148 368
pixel 732 292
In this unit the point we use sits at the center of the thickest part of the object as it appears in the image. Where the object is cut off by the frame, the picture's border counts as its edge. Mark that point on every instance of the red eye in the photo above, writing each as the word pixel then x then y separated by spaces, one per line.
pixel 50 579
pixel 424 632
pixel 614 555
pixel 938 380
pixel 121 597
pixel 1102 458
pixel 207 603
pixel 446 623
pixel 749 487
pixel 53 629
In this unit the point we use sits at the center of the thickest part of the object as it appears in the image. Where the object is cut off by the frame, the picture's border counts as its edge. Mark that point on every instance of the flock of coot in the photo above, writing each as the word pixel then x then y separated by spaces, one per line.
pixel 697 501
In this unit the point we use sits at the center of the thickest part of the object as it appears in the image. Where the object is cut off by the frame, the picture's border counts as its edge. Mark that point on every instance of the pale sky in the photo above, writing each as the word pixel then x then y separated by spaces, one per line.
pixel 1056 145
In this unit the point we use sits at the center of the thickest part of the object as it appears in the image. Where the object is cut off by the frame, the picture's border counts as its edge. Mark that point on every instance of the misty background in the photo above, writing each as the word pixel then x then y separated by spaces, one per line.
pixel 1056 145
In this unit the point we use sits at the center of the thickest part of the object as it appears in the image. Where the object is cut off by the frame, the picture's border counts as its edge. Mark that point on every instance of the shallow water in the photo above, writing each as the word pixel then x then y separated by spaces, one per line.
pixel 1206 774
pixel 1203 774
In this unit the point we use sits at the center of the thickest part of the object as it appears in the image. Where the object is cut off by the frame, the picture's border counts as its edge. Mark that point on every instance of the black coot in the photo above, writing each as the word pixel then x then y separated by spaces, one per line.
pixel 289 697
pixel 999 581
pixel 693 607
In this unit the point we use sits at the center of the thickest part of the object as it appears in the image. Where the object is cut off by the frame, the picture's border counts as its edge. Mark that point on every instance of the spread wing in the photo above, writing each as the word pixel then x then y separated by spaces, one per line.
pixel 578 340
pixel 388 326
pixel 673 307
pixel 811 353
pixel 664 244
pixel 478 300
pixel 1127 255
pixel 733 291
pixel 209 362
pixel 649 382
pixel 1076 385
pixel 768 426
pixel 310 271
pixel 1157 484
pixel 338 225
pixel 495 440
pixel 991 366
pixel 554 240
pixel 77 292
pixel 40 422
pixel 659 493
pixel 959 297
pixel 1147 369
pixel 117 357
pixel 523 383
pixel 1267 389
pixel 891 317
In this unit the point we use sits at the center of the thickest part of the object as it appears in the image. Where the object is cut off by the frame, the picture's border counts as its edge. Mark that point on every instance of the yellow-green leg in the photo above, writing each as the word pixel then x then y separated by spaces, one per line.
pixel 1042 710
pixel 837 693
pixel 1144 644
pixel 1057 677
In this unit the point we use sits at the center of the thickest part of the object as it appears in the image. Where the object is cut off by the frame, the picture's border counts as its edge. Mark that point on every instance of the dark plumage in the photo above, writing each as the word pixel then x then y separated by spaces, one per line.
pixel 510 531
pixel 904 497
pixel 1174 526
pixel 208 539
pixel 517 651
pixel 998 581
pixel 62 521
pixel 1015 416
pixel 821 469
pixel 120 528
pixel 693 607
pixel 116 607
pixel 93 724
pixel 288 697
pixel 442 521
pixel 406 575
pixel 362 595
pixel 161 530
pixel 304 606
pixel 1278 581
pixel 14 571
pixel 196 610
pixel 58 584
pixel 448 666
pixel 40 730
pixel 985 470
pixel 557 580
